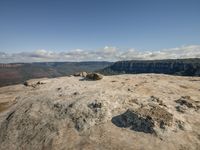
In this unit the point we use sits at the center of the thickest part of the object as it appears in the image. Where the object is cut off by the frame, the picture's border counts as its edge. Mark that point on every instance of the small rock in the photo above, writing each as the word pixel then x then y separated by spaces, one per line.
pixel 59 89
pixel 75 93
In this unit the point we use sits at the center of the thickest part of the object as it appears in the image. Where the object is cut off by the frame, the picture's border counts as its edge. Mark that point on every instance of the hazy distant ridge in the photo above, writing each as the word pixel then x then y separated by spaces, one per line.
pixel 15 73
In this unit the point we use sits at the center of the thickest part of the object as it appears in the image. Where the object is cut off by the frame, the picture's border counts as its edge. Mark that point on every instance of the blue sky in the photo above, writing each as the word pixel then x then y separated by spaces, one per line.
pixel 65 25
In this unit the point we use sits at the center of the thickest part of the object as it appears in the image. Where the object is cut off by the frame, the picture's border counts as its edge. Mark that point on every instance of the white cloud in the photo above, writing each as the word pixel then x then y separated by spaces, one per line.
pixel 107 53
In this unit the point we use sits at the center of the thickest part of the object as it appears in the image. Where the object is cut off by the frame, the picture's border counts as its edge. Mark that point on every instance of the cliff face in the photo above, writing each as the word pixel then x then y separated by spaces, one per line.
pixel 185 67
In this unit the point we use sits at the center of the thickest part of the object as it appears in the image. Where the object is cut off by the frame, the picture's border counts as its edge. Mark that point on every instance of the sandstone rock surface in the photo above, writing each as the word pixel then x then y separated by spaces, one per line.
pixel 118 112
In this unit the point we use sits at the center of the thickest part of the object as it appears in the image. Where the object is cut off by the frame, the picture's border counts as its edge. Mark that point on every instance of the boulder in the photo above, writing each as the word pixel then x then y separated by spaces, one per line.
pixel 94 76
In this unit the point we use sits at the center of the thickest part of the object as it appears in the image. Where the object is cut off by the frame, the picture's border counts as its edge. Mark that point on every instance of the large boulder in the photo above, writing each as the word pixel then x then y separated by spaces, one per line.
pixel 94 76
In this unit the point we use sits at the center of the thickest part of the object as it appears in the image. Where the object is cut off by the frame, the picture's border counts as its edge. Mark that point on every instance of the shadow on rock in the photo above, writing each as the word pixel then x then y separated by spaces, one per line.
pixel 134 121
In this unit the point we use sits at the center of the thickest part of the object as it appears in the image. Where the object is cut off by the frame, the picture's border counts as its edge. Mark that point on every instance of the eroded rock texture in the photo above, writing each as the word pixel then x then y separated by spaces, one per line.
pixel 118 112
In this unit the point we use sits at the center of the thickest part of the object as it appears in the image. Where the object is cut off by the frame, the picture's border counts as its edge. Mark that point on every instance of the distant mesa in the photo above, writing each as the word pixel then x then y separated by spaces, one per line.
pixel 182 67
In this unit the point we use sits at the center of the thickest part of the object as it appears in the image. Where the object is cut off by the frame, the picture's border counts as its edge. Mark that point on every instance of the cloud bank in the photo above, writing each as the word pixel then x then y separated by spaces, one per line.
pixel 105 54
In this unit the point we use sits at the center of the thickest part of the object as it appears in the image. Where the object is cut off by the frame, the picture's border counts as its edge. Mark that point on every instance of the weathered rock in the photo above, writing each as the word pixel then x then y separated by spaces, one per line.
pixel 95 106
pixel 83 74
pixel 68 113
pixel 38 122
pixel 180 124
pixel 158 114
pixel 157 100
pixel 86 116
pixel 80 74
pixel 134 121
pixel 144 119
pixel 35 82
pixel 181 108
pixel 188 102
pixel 94 76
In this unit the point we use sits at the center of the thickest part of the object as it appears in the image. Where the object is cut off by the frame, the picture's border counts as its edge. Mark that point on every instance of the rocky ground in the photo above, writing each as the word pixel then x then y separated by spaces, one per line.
pixel 140 112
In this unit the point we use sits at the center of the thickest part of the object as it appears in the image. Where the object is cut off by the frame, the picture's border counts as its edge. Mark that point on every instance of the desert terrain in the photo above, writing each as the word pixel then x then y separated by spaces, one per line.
pixel 137 112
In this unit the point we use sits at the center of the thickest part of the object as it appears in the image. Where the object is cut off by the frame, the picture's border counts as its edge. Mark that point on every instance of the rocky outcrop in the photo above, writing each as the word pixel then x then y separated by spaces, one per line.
pixel 134 121
pixel 144 119
pixel 118 112
pixel 36 82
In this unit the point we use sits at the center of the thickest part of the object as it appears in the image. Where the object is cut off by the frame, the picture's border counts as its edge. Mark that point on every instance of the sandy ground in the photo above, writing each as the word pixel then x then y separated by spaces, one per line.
pixel 73 113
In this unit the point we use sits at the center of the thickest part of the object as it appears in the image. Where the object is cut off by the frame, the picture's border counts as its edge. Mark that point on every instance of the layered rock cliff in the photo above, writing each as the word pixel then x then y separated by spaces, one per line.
pixel 185 67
